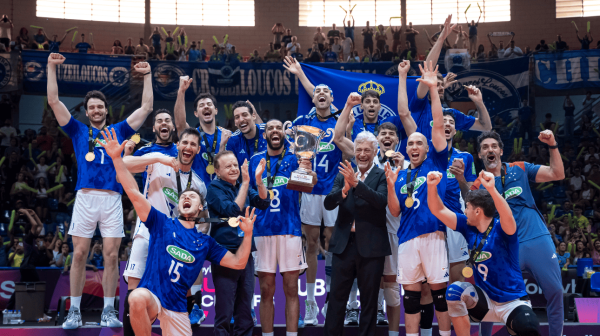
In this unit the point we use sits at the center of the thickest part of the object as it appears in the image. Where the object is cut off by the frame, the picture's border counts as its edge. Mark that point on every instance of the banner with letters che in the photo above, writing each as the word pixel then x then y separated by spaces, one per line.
pixel 79 73
pixel 571 69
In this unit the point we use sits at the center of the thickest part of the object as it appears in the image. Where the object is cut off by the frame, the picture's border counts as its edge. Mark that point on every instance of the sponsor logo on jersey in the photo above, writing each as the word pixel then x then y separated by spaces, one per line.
pixel 171 194
pixel 98 142
pixel 483 256
pixel 180 254
pixel 205 156
pixel 449 174
pixel 513 192
pixel 324 147
pixel 418 182
pixel 279 181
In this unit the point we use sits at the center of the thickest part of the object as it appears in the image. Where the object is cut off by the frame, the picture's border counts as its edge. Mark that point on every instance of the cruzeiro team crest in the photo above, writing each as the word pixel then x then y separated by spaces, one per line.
pixel 5 72
pixel 385 111
pixel 418 182
pixel 180 254
pixel 166 80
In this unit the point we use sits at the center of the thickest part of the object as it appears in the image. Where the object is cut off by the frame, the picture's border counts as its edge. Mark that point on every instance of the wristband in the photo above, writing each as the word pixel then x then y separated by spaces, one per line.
pixel 147 73
pixel 553 147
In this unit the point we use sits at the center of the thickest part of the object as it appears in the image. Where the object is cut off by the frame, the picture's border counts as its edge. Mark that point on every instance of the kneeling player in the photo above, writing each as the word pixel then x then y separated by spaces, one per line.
pixel 499 292
pixel 168 276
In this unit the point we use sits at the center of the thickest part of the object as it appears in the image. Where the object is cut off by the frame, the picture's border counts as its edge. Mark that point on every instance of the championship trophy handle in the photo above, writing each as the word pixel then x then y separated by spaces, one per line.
pixel 330 132
pixel 287 126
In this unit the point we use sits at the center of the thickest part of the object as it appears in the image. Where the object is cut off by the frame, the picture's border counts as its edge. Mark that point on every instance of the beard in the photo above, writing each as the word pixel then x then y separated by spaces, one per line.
pixel 274 147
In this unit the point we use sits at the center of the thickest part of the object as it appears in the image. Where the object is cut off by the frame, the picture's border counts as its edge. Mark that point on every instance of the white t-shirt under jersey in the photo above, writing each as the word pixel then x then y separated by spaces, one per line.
pixel 392 223
pixel 161 190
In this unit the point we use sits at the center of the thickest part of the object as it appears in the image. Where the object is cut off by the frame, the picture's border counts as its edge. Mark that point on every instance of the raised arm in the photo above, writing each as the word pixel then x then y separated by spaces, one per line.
pixel 60 110
pixel 483 122
pixel 240 258
pixel 556 170
pixel 345 144
pixel 179 110
pixel 429 78
pixel 291 65
pixel 436 206
pixel 114 149
pixel 434 54
pixel 507 220
pixel 138 164
pixel 392 199
pixel 403 112
pixel 240 200
pixel 137 118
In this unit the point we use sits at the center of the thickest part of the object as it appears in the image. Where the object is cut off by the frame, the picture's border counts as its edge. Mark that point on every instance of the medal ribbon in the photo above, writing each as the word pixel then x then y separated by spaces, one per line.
pixel 410 186
pixel 475 252
pixel 255 144
pixel 271 179
pixel 376 126
pixel 92 141
pixel 209 150
pixel 189 182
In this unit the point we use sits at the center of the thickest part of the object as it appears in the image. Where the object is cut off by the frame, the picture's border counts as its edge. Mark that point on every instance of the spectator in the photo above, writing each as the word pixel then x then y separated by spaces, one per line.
pixel 587 194
pixel 381 37
pixel 7 131
pixel 396 35
pixel 411 35
pixel 409 53
pixel 6 27
pixel 473 34
pixel 170 52
pixel 41 199
pixel 367 57
pixel 117 48
pixel 41 169
pixel 55 246
pixel 527 51
pixel 12 148
pixel 594 247
pixel 564 257
pixel 581 222
pixel 44 140
pixel 591 154
pixel 576 181
pixel 23 41
pixel 96 258
pixel 35 254
pixel 287 38
pixel 272 55
pixel 586 40
pixel 481 56
pixel 129 48
pixel 330 56
pixel 156 38
pixel 151 55
pixel 580 252
pixel 348 29
pixel 82 46
pixel 569 108
pixel 493 53
pixel 6 108
pixel 566 209
pixel 332 34
pixel 60 259
pixel 293 46
pixel 336 47
pixel 54 44
pixel 513 51
pixel 39 40
pixel 387 55
pixel 181 54
pixel 235 56
pixel 15 259
pixel 376 56
pixel 182 39
pixel 461 38
pixel 354 58
pixel 347 47
pixel 542 46
pixel 193 53
pixel 277 31
pixel 254 57
pixel 548 121
pixel 313 54
pixel 141 49
pixel 560 44
pixel 319 39
pixel 367 34
pixel 587 102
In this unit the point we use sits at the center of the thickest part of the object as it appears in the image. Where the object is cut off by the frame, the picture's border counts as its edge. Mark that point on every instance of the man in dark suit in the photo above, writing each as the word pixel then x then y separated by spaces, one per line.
pixel 360 241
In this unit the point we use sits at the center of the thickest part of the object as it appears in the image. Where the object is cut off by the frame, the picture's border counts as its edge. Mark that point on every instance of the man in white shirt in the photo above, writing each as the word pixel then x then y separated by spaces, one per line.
pixel 513 51
pixel 293 47
pixel 7 132
pixel 347 47
pixel 6 27
pixel 575 181
pixel 336 47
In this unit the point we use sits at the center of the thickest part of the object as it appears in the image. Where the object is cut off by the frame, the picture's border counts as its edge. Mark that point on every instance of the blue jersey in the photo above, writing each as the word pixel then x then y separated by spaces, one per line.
pixel 152 147
pixel 83 47
pixel 359 126
pixel 175 258
pixel 201 160
pixel 244 148
pixel 497 271
pixel 100 173
pixel 54 47
pixel 418 219
pixel 327 160
pixel 283 215
pixel 453 199
pixel 530 222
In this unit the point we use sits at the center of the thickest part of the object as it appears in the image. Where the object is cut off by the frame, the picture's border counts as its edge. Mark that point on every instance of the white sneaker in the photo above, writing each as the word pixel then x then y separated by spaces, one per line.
pixel 311 312
pixel 324 310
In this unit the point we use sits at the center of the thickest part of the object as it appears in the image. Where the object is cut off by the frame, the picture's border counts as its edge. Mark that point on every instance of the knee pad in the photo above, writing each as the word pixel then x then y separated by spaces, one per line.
pixel 460 296
pixel 391 294
pixel 127 329
pixel 412 302
pixel 427 313
pixel 439 300
pixel 522 321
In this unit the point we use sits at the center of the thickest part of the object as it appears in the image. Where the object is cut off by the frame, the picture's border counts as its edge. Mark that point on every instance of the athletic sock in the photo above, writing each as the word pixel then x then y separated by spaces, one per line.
pixel 392 333
pixel 426 332
pixel 291 333
pixel 445 333
pixel 127 328
pixel 310 291
pixel 380 299
pixel 76 302
pixel 268 334
pixel 109 301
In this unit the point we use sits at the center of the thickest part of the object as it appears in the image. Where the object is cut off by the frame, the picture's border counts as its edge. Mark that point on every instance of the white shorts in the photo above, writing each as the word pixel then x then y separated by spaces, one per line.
pixel 172 323
pixel 283 250
pixel 312 211
pixel 101 208
pixel 136 265
pixel 391 262
pixel 423 257
pixel 458 250
pixel 141 230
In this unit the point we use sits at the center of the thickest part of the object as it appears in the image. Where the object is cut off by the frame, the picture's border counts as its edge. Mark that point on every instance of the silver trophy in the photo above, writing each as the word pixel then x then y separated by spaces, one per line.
pixel 307 143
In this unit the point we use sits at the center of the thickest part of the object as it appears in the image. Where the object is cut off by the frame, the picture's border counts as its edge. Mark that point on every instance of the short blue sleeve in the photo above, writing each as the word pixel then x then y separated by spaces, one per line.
pixel 123 129
pixel 463 121
pixel 74 128
pixel 216 252
pixel 155 217
pixel 440 159
pixel 232 144
pixel 416 104
pixel 470 173
pixel 461 224
pixel 531 171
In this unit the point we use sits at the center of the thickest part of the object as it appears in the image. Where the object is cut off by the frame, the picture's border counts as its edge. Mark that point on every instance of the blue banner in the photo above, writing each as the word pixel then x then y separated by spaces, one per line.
pixel 79 73
pixel 568 69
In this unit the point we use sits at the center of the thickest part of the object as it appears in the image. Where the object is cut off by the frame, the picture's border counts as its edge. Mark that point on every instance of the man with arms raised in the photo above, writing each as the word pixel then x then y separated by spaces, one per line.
pixel 166 178
pixel 98 201
pixel 278 230
pixel 536 249
pixel 212 138
pixel 163 142
pixel 312 210
pixel 176 252
pixel 422 246
pixel 499 292
pixel 248 139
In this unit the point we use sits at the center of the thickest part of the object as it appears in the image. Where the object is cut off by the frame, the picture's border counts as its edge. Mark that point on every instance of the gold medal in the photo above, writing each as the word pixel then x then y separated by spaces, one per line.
pixel 271 193
pixel 467 272
pixel 210 169
pixel 389 153
pixel 135 138
pixel 233 222
pixel 409 202
pixel 89 157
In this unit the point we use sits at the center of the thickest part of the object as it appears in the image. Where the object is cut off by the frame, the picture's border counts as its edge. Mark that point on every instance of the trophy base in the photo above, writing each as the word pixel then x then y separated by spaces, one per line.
pixel 300 182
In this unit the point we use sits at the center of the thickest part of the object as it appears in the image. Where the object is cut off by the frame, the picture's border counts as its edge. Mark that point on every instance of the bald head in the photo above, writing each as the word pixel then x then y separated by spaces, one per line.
pixel 417 148
pixel 417 136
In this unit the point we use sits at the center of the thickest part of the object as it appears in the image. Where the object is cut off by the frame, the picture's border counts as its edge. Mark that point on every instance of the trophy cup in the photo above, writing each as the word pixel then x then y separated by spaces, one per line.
pixel 306 145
